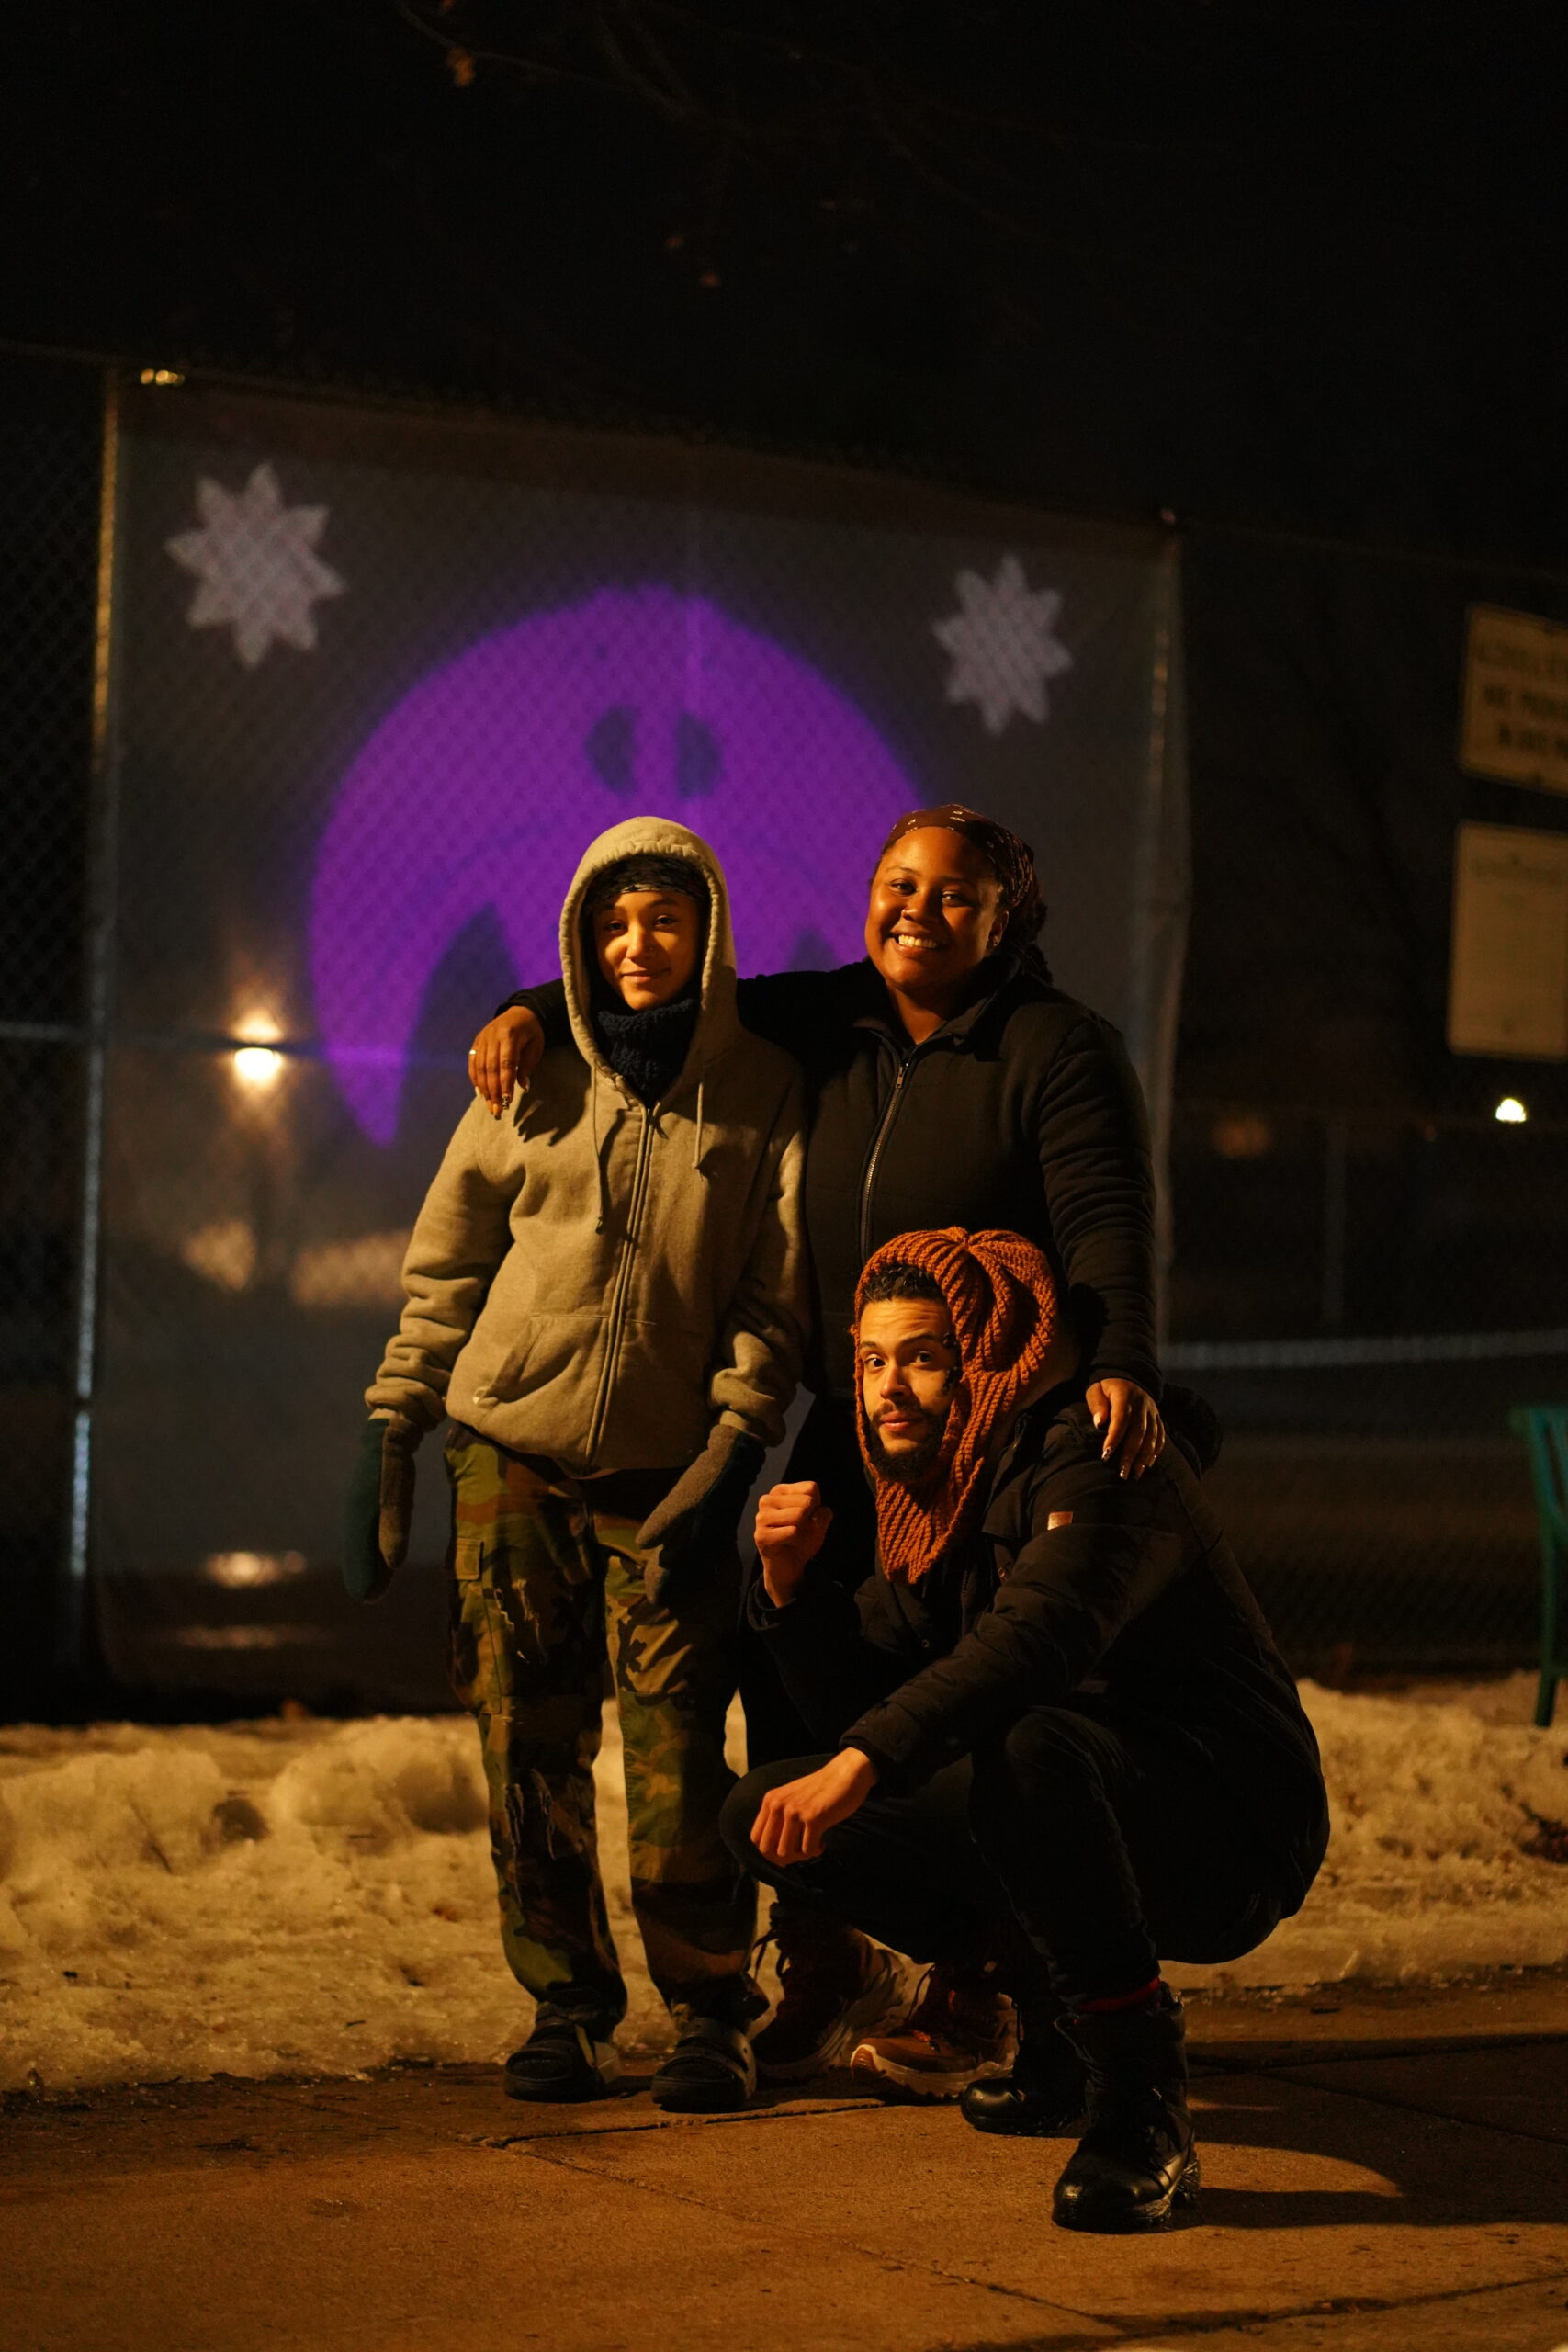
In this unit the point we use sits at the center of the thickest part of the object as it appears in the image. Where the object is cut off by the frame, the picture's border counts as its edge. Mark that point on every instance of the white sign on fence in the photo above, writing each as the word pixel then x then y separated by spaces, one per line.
pixel 1508 965
pixel 1515 723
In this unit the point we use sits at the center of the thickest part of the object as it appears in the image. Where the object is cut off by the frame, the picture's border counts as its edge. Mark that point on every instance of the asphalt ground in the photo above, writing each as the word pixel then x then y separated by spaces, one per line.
pixel 1382 2169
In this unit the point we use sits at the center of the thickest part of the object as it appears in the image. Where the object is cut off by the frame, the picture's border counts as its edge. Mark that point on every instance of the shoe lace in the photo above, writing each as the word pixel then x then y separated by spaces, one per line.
pixel 808 1962
pixel 954 2003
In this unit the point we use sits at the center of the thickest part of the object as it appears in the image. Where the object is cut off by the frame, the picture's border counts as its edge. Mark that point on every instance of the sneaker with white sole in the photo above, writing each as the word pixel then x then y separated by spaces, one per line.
pixel 961 2024
pixel 837 1986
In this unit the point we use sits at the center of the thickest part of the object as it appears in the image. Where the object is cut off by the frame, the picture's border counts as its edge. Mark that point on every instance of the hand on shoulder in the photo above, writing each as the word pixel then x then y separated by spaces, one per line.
pixel 1130 1421
pixel 506 1055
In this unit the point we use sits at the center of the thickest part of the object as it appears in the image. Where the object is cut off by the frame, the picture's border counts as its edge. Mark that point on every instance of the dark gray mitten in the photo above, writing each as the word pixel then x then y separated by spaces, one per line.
pixel 380 1506
pixel 693 1528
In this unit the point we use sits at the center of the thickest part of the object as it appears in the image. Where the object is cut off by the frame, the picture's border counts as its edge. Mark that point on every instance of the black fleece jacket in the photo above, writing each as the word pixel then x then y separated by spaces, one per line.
pixel 1130 1607
pixel 1022 1113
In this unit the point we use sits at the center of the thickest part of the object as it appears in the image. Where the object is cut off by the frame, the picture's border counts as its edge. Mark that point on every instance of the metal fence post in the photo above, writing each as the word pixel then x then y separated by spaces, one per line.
pixel 1335 1158
pixel 103 859
pixel 1161 894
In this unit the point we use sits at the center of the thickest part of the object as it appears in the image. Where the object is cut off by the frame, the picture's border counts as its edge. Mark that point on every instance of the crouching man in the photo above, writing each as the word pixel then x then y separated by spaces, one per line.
pixel 1062 1734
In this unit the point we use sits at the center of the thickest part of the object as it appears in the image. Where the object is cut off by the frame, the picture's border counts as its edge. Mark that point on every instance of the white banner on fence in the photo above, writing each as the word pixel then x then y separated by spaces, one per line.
pixel 1509 966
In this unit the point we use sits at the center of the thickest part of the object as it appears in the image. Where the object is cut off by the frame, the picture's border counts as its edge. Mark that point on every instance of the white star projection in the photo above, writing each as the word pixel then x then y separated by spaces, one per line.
pixel 256 562
pixel 1003 645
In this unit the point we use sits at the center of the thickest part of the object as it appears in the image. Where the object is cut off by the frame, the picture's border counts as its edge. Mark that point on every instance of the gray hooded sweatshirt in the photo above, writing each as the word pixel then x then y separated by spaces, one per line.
pixel 597 1280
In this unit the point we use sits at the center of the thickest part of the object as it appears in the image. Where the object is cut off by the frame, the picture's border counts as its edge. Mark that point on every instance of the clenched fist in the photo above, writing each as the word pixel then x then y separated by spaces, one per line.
pixel 792 1522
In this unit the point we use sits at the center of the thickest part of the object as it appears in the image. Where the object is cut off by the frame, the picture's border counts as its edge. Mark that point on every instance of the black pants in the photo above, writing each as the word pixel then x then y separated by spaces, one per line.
pixel 1111 1846
pixel 827 1449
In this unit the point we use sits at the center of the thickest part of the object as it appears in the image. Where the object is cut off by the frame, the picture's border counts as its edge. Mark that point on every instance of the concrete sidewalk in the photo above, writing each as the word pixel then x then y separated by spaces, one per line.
pixel 1381 2170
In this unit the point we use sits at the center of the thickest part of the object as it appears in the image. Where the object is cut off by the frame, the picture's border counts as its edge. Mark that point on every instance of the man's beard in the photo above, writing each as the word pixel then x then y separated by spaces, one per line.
pixel 911 1464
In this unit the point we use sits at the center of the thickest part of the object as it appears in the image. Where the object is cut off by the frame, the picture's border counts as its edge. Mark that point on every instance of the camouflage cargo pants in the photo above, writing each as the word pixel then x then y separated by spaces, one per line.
pixel 546 1582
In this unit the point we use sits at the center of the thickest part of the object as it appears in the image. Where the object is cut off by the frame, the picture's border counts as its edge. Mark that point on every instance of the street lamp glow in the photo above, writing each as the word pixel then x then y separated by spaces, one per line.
pixel 1511 1111
pixel 256 1065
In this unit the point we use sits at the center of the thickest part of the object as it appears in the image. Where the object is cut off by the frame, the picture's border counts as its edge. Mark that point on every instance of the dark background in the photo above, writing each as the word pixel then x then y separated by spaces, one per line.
pixel 1290 276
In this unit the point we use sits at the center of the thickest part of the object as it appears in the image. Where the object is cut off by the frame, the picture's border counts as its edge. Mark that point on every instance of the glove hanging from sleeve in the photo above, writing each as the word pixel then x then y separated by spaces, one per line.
pixel 692 1529
pixel 380 1504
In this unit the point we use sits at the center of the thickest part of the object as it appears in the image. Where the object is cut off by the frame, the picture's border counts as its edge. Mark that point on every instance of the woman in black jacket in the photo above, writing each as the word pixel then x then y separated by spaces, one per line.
pixel 948 1083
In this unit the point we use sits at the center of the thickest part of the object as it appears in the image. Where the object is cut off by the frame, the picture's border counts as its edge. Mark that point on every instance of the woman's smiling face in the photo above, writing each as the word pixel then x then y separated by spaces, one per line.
pixel 647 943
pixel 935 912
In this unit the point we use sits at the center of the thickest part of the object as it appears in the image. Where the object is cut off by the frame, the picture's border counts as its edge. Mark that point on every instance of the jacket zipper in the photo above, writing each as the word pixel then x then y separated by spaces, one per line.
pixel 874 1151
pixel 623 1283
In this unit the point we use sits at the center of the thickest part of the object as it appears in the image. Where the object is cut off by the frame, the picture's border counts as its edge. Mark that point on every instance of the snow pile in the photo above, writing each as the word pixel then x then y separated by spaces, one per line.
pixel 1436 1807
pixel 306 1898
pixel 288 1898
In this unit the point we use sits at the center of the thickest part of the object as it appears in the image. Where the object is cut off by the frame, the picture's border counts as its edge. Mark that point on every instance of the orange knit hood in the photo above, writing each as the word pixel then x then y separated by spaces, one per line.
pixel 1001 1294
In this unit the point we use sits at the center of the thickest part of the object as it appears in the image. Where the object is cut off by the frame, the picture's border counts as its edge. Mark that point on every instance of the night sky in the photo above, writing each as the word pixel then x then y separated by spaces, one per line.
pixel 1284 266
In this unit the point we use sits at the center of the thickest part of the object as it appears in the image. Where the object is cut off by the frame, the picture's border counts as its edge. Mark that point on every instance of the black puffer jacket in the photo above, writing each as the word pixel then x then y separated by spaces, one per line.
pixel 1131 1608
pixel 1022 1112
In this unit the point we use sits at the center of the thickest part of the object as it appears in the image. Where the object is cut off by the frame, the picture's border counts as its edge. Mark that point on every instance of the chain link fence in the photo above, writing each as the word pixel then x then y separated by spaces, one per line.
pixel 1364 1299
pixel 344 829
pixel 375 681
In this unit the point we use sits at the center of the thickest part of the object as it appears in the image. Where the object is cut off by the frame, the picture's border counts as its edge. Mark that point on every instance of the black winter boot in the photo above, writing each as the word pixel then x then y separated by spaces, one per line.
pixel 564 2059
pixel 1135 2162
pixel 710 2071
pixel 1042 2095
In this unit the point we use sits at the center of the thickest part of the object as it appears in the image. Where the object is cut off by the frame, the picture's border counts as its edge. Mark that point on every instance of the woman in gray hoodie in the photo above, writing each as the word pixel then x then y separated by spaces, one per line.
pixel 605 1291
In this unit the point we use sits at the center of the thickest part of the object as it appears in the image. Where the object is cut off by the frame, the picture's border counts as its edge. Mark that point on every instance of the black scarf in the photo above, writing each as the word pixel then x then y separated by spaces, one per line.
pixel 648 1049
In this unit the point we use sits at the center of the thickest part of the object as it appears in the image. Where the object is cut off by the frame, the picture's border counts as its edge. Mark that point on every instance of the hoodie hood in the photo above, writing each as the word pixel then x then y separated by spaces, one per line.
pixel 718 1025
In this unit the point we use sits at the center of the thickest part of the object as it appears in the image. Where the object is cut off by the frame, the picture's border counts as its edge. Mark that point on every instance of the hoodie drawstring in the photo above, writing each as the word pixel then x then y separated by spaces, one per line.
pixel 697 1150
pixel 598 1154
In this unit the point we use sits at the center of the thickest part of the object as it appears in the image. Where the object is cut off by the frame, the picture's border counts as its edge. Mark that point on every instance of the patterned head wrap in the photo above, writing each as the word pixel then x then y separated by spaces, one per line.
pixel 1009 856
pixel 670 876
pixel 998 1290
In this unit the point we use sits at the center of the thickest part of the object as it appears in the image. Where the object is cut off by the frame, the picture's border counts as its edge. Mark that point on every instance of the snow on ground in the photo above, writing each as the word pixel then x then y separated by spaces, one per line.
pixel 1438 1799
pixel 309 1898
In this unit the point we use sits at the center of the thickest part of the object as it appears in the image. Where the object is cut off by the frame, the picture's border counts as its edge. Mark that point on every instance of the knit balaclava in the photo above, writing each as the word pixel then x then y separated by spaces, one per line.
pixel 1000 1293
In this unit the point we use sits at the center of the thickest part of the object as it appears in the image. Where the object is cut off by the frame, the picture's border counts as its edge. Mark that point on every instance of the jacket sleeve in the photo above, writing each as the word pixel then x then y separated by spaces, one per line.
pixel 789 1009
pixel 462 1235
pixel 830 1667
pixel 762 1342
pixel 792 1008
pixel 548 1004
pixel 1100 1194
pixel 1070 1591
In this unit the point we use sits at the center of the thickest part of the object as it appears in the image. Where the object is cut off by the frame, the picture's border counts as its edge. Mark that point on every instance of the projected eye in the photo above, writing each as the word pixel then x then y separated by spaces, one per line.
pixel 698 760
pixel 612 749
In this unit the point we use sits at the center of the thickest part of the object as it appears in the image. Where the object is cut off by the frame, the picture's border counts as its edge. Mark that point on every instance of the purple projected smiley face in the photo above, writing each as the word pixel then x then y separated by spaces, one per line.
pixel 485 782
